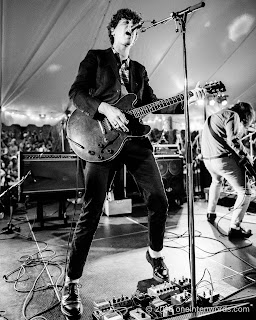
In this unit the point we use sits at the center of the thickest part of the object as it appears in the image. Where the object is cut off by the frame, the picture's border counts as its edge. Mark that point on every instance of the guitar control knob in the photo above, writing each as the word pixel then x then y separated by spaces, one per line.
pixel 91 152
pixel 100 157
pixel 101 145
pixel 110 151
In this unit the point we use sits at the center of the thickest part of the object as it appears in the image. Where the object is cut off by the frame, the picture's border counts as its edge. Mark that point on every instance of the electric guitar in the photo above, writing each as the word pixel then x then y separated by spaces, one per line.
pixel 246 164
pixel 97 141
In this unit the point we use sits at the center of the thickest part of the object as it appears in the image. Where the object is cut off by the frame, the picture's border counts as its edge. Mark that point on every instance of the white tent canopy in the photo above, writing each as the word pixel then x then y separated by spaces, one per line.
pixel 43 42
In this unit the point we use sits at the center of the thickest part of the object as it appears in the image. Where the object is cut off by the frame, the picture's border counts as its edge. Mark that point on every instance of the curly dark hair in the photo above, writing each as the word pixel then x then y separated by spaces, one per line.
pixel 122 14
pixel 245 111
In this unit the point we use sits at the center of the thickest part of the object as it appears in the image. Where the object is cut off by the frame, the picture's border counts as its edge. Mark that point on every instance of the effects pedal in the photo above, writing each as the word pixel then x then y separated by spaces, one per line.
pixel 102 305
pixel 158 305
pixel 112 315
pixel 97 315
pixel 163 290
pixel 167 311
pixel 207 297
pixel 139 314
pixel 122 301
pixel 183 298
pixel 184 283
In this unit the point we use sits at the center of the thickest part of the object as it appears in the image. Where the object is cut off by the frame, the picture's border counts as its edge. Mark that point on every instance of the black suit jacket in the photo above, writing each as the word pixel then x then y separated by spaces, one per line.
pixel 98 80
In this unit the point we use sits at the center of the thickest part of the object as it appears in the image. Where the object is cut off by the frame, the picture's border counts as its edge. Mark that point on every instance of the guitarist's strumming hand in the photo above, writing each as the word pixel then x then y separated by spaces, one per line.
pixel 115 116
pixel 198 93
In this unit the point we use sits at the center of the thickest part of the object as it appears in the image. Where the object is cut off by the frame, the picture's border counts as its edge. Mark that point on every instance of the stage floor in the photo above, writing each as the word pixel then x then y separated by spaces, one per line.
pixel 116 263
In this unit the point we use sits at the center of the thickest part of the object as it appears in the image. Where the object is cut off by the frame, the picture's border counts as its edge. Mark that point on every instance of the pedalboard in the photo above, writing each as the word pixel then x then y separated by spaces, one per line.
pixel 155 302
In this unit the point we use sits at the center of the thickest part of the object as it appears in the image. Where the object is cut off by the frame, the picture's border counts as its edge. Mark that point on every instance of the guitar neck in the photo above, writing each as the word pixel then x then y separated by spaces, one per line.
pixel 142 111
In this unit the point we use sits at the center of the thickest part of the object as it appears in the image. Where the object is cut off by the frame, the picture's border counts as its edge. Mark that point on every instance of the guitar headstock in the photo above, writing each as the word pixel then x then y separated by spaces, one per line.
pixel 214 87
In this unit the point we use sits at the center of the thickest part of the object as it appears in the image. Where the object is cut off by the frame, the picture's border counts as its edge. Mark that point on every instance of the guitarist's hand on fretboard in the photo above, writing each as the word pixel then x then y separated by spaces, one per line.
pixel 199 93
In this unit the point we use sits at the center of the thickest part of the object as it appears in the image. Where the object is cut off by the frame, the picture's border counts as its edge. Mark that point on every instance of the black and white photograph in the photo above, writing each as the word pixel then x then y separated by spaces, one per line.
pixel 128 159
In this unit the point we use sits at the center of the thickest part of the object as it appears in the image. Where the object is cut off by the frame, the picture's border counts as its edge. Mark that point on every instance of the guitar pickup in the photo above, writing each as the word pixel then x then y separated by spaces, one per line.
pixel 101 127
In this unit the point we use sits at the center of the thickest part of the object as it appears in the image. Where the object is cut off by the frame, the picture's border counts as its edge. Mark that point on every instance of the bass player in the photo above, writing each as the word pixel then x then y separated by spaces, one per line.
pixel 226 157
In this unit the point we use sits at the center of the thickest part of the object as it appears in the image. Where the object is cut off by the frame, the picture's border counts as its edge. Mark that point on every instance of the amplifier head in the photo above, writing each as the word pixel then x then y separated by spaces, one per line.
pixel 166 149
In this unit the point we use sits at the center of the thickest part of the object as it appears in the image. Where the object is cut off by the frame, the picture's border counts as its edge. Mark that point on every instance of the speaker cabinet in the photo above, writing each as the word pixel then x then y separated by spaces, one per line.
pixel 50 172
pixel 171 169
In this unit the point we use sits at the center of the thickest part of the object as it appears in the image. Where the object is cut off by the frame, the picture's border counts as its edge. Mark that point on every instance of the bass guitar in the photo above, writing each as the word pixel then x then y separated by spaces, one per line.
pixel 97 141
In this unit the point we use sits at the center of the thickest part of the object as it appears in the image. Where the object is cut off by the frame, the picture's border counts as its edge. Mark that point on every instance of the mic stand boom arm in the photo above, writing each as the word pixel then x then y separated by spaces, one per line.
pixel 180 19
pixel 174 15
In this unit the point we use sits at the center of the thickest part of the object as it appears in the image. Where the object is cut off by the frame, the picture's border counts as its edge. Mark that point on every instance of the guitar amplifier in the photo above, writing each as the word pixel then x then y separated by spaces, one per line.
pixel 171 170
pixel 165 149
pixel 50 172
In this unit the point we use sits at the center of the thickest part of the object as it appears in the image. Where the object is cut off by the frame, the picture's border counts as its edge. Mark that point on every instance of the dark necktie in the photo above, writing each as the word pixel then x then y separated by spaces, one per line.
pixel 124 73
pixel 124 77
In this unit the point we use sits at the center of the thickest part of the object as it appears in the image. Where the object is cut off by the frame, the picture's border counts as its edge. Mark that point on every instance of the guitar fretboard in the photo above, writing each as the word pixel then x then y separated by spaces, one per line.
pixel 157 105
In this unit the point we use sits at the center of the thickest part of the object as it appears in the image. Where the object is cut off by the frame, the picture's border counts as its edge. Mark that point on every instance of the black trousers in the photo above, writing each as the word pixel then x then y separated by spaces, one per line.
pixel 140 162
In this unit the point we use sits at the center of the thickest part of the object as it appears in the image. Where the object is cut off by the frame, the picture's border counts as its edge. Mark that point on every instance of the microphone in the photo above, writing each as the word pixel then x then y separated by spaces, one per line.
pixel 191 8
pixel 137 26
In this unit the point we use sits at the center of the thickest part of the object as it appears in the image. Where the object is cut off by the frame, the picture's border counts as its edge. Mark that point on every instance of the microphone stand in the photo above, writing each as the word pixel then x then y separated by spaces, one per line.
pixel 10 227
pixel 180 19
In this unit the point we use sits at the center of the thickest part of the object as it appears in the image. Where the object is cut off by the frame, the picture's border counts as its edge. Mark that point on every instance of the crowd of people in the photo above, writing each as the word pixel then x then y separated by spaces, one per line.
pixel 38 141
pixel 13 141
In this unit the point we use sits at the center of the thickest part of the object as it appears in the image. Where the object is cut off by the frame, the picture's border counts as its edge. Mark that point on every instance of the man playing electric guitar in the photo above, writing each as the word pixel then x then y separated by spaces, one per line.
pixel 226 157
pixel 105 76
